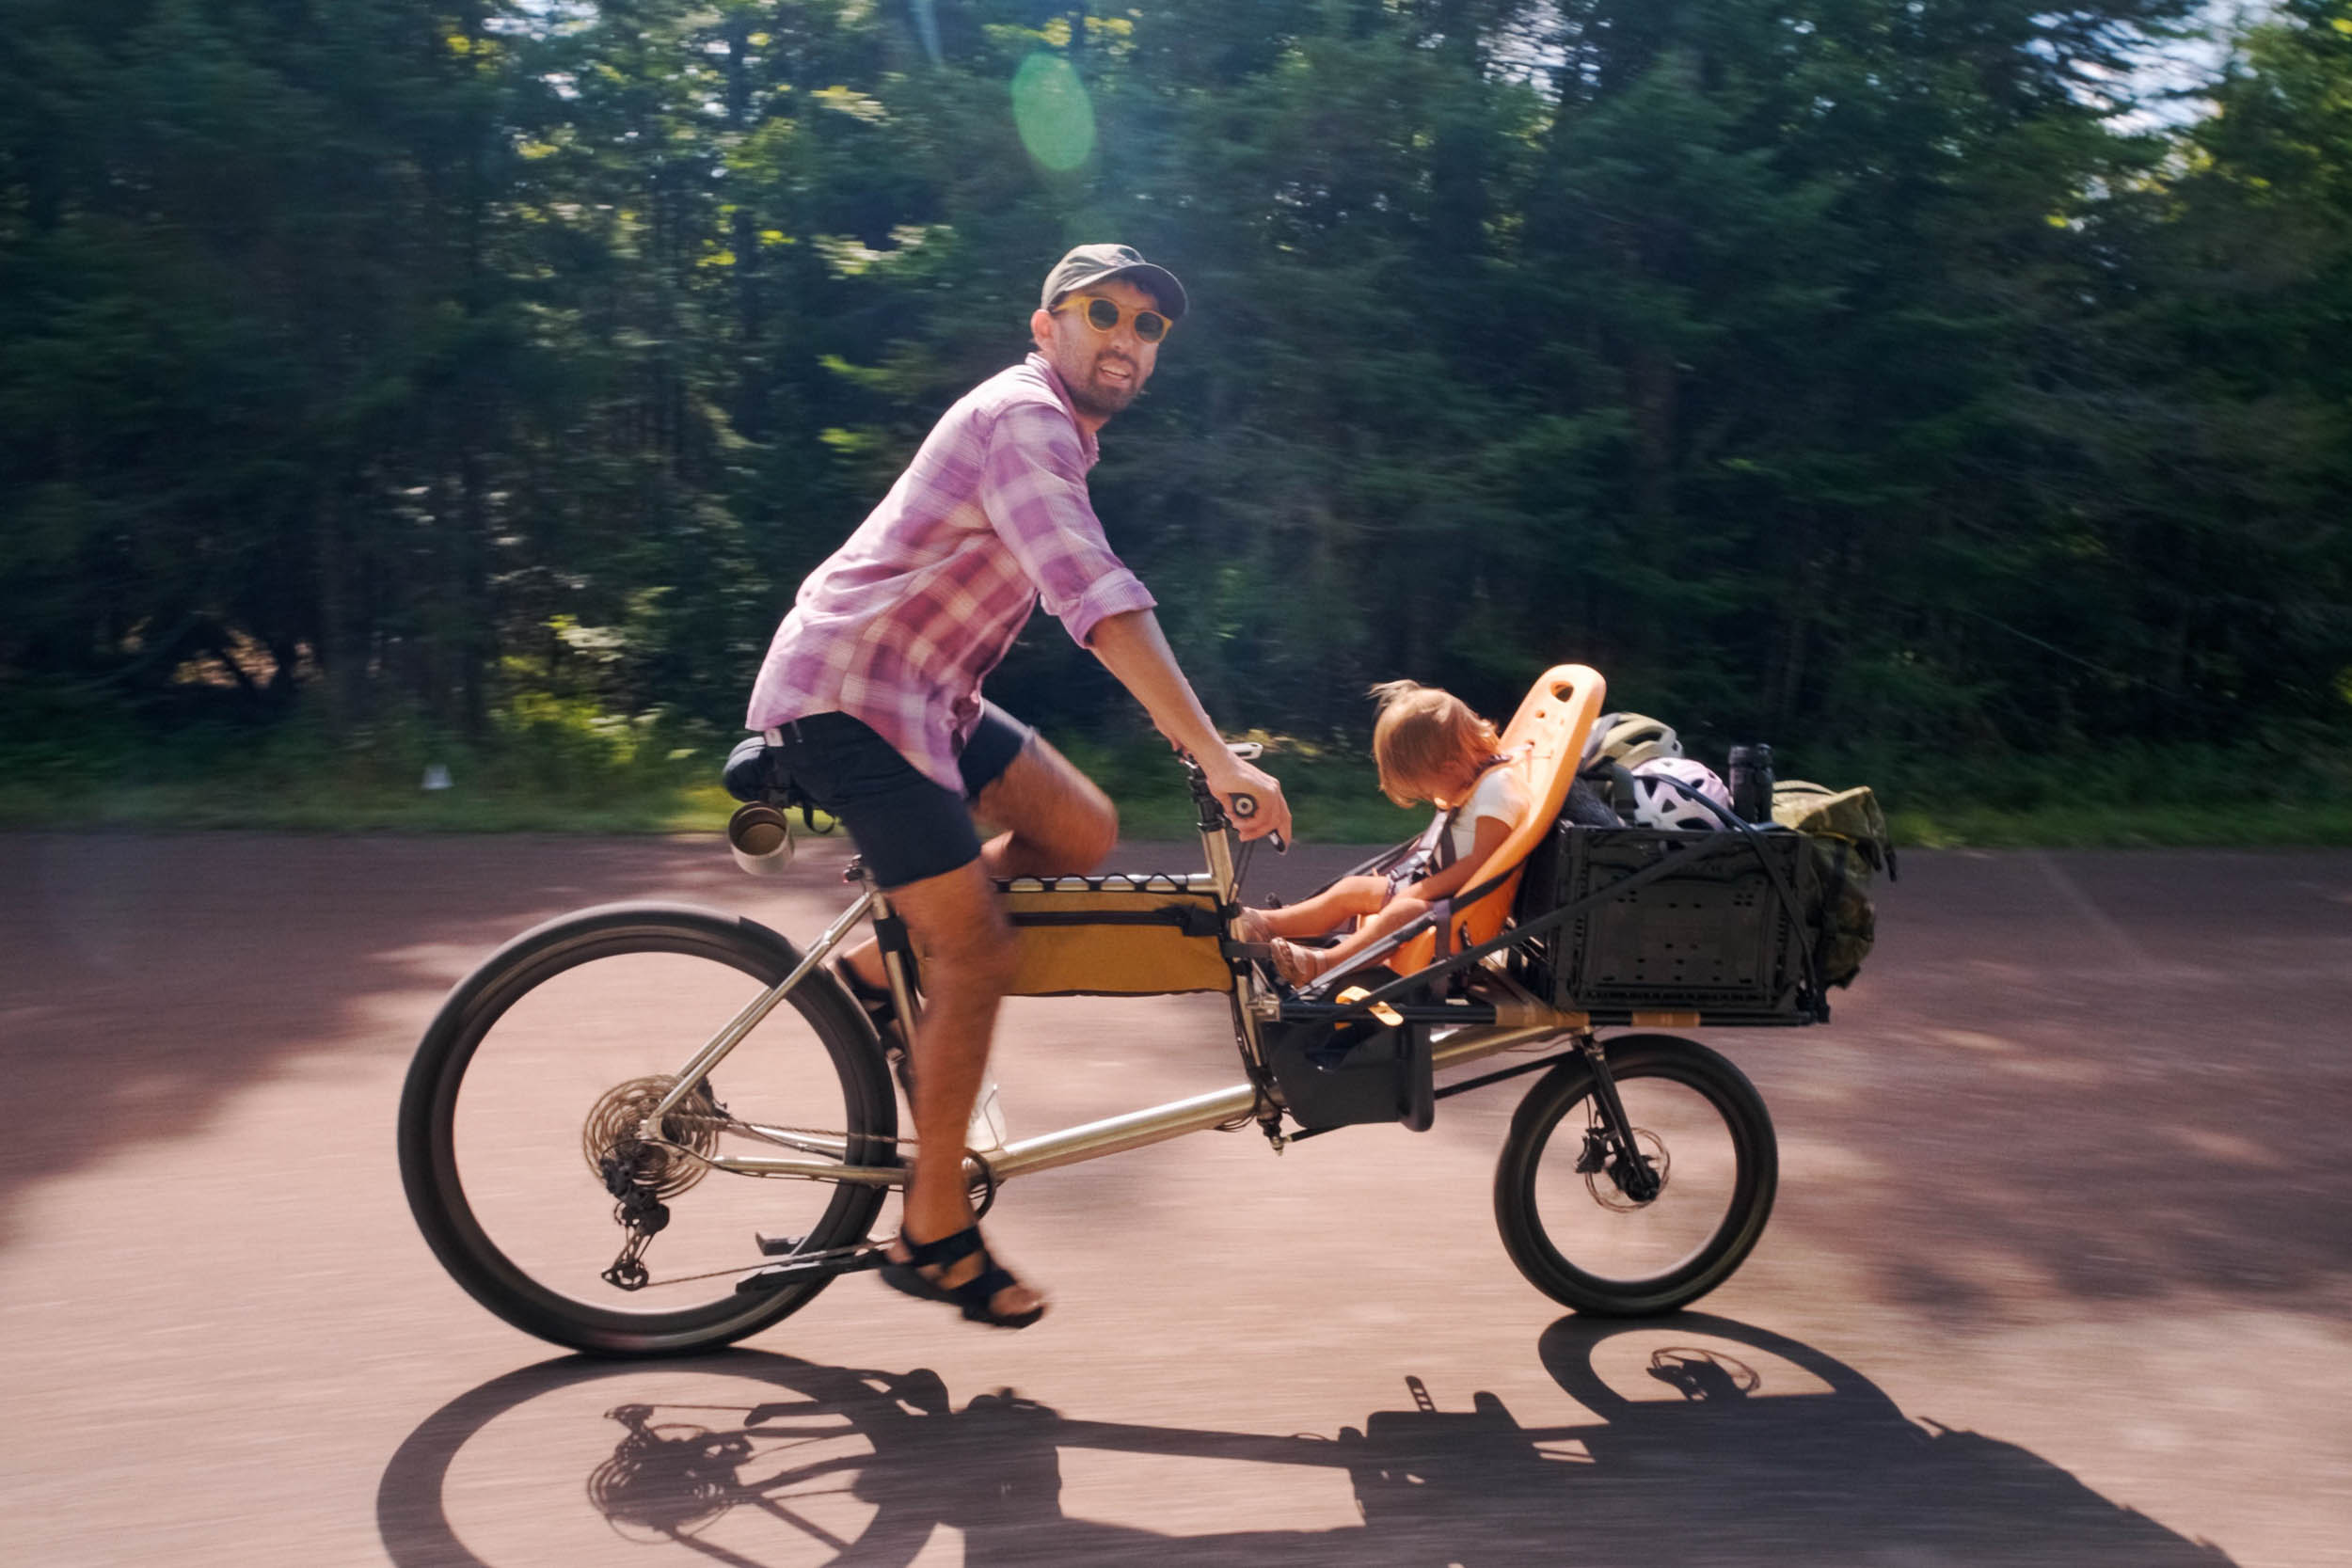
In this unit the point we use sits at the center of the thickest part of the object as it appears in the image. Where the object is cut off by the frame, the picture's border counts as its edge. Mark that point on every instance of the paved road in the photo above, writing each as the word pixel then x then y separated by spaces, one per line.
pixel 2060 1270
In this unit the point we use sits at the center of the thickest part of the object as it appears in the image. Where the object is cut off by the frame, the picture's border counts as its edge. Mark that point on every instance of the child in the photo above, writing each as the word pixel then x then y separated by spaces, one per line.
pixel 1429 746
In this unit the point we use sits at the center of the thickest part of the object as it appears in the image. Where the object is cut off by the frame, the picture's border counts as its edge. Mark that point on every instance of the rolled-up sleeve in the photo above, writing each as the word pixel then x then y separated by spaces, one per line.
pixel 1033 488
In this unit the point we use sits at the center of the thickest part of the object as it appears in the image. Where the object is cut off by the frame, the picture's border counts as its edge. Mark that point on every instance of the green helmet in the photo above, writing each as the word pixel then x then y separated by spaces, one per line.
pixel 1629 740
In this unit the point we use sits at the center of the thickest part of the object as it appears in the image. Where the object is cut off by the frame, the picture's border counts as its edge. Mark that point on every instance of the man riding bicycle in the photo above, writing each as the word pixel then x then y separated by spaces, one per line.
pixel 871 694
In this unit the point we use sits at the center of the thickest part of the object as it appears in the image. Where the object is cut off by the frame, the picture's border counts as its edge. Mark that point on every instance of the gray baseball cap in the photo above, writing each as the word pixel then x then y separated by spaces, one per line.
pixel 1092 263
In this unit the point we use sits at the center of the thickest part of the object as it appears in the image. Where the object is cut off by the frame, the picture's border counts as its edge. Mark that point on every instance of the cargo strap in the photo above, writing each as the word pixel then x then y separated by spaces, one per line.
pixel 1468 956
pixel 1193 920
pixel 783 791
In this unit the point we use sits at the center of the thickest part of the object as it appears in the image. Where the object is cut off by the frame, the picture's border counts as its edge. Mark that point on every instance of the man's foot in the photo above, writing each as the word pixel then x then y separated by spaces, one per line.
pixel 959 1270
pixel 875 1002
pixel 1254 927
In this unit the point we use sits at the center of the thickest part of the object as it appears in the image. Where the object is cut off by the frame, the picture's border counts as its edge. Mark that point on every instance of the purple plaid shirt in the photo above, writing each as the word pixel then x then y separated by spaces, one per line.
pixel 900 624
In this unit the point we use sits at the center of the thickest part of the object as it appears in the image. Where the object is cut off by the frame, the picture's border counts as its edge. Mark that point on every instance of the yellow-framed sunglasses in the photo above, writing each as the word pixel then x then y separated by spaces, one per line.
pixel 1103 314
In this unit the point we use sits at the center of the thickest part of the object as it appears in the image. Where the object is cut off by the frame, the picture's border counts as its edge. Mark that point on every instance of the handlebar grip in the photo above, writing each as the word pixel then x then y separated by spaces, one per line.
pixel 1244 805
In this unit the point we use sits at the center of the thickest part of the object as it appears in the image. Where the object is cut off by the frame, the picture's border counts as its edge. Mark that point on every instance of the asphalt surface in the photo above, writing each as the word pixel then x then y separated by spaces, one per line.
pixel 2060 1270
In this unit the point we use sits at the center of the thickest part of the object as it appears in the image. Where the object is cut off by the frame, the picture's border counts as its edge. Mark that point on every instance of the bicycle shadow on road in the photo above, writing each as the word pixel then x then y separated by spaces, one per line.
pixel 1712 1441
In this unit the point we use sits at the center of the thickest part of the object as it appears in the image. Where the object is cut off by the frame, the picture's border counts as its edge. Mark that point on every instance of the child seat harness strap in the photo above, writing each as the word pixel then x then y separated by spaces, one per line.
pixel 1435 852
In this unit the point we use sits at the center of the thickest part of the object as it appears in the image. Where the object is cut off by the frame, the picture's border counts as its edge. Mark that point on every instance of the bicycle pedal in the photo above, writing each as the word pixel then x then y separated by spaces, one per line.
pixel 776 1246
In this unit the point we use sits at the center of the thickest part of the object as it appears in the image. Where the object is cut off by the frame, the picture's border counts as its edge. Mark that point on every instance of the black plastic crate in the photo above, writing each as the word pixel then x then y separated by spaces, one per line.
pixel 1714 936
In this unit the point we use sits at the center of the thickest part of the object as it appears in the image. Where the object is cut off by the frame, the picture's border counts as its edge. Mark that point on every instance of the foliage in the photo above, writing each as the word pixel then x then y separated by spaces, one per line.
pixel 1861 374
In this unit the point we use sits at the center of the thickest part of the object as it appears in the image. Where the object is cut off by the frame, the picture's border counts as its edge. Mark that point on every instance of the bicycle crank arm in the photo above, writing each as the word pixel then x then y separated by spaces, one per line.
pixel 818 1265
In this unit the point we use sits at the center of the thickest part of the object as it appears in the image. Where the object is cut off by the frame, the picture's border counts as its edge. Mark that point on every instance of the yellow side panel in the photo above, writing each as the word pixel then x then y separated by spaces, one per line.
pixel 1103 957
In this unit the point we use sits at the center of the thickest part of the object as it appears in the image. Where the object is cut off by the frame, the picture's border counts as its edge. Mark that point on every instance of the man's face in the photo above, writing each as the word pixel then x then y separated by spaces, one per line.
pixel 1103 370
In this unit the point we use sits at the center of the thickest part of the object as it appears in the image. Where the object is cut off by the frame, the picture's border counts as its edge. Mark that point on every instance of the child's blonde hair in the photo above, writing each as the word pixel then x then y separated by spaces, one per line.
pixel 1421 731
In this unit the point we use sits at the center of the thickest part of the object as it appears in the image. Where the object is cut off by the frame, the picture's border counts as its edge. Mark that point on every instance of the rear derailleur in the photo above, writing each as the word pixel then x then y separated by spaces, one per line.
pixel 635 1210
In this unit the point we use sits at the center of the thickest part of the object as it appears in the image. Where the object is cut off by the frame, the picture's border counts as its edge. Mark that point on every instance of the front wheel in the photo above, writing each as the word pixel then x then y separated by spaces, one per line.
pixel 1623 1237
pixel 518 1129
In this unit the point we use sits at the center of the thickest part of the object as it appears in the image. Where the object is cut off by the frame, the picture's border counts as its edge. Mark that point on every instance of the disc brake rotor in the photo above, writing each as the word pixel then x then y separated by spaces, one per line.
pixel 1605 1174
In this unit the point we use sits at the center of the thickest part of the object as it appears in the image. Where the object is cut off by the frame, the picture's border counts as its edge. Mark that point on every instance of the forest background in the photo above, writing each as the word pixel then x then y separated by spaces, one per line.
pixel 390 386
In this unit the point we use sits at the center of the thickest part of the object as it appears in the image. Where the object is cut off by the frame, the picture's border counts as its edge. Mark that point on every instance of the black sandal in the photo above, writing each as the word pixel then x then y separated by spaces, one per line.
pixel 874 1001
pixel 974 1295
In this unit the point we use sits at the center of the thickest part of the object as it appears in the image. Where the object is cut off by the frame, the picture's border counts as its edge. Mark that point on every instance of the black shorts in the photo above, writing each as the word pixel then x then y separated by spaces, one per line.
pixel 906 827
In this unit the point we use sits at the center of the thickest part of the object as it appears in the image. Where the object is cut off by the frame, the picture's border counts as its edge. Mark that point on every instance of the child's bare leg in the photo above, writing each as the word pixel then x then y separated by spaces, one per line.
pixel 1350 897
pixel 1309 962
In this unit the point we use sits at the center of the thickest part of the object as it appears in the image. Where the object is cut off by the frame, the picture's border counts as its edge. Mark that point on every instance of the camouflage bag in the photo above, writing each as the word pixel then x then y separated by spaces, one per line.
pixel 1851 847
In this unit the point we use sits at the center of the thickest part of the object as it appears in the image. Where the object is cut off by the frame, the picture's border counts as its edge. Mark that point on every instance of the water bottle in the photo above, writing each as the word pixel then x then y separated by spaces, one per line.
pixel 1752 783
pixel 986 1134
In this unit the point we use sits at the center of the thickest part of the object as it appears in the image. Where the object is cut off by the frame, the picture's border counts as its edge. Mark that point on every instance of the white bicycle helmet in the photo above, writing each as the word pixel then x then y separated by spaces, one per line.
pixel 1660 804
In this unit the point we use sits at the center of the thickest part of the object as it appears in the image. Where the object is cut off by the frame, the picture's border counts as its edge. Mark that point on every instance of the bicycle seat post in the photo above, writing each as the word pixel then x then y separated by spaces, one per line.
pixel 897 953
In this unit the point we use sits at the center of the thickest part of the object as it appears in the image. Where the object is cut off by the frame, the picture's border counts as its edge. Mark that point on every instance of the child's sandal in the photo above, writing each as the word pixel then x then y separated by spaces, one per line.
pixel 1296 965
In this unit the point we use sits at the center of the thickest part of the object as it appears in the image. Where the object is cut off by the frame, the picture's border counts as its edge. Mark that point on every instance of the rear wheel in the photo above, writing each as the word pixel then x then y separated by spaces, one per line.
pixel 517 1129
pixel 1616 1237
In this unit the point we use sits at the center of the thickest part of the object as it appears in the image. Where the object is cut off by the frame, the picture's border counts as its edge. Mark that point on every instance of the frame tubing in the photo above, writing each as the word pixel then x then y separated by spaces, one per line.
pixel 1464 1046
pixel 1073 1144
pixel 1117 1134
pixel 1468 1014
pixel 761 1005
pixel 814 1170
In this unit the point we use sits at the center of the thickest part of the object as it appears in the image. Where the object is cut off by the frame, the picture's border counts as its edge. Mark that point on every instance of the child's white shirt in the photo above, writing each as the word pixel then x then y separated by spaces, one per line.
pixel 1499 795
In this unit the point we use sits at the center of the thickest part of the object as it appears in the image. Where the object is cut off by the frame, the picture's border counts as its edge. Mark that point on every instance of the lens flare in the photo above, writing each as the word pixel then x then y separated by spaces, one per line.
pixel 1051 111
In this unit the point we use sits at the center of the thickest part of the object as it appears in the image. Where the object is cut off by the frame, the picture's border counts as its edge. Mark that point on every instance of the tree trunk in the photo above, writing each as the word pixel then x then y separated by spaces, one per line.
pixel 338 650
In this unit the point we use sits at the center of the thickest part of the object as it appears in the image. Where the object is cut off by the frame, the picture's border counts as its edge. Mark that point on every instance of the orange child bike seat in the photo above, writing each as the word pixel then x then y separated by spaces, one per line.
pixel 1545 740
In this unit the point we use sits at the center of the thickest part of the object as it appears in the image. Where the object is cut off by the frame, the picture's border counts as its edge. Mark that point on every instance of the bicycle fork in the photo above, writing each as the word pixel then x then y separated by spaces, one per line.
pixel 1629 1168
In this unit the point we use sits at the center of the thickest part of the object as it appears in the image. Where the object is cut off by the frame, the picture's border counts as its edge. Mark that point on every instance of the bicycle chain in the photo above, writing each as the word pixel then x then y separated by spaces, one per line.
pixel 629 1265
pixel 780 1137
pixel 867 1245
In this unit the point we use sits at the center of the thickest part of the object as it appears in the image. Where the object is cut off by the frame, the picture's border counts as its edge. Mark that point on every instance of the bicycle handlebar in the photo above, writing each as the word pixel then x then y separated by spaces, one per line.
pixel 1217 812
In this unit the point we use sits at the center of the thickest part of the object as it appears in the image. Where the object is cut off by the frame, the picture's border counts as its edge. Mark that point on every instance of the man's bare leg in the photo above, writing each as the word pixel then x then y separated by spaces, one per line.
pixel 967 953
pixel 1055 820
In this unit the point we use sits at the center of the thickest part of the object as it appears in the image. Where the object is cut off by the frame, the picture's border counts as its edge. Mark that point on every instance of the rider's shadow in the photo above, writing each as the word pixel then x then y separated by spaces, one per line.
pixel 1749 1448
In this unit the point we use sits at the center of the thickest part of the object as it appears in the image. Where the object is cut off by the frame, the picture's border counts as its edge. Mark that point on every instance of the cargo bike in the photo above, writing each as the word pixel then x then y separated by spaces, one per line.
pixel 647 1129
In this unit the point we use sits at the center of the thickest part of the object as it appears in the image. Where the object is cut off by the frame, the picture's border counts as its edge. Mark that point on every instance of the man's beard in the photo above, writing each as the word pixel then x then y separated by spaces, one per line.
pixel 1102 402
